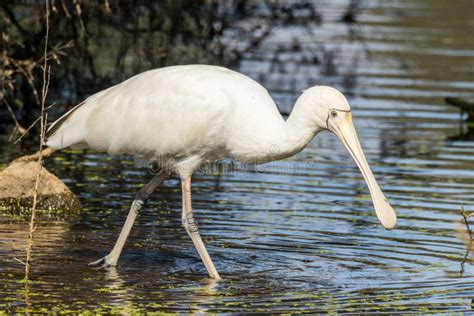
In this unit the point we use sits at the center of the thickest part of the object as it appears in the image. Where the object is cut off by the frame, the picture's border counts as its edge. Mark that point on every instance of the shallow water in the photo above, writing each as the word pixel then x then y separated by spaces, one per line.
pixel 301 234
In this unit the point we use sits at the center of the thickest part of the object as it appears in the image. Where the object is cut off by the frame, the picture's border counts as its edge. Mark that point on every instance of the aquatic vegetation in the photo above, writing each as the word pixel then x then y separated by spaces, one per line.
pixel 288 240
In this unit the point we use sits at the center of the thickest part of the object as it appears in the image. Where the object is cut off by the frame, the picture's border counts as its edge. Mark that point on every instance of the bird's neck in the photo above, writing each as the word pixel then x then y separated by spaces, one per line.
pixel 298 130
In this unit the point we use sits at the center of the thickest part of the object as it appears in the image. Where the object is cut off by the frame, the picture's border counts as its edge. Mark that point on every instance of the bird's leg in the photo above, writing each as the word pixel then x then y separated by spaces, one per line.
pixel 140 199
pixel 192 229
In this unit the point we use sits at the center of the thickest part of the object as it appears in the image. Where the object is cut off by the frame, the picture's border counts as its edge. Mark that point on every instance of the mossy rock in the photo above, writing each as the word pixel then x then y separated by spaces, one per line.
pixel 17 183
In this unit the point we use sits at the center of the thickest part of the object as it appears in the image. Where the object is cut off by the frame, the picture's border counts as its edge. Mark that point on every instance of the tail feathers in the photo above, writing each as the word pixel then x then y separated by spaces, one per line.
pixel 59 122
pixel 58 135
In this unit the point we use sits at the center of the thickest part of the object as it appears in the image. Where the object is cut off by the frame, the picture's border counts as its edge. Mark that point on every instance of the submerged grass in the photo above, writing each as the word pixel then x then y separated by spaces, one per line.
pixel 22 214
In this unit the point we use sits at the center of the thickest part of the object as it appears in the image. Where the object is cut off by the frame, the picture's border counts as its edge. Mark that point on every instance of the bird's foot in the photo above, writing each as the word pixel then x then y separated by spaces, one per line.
pixel 105 262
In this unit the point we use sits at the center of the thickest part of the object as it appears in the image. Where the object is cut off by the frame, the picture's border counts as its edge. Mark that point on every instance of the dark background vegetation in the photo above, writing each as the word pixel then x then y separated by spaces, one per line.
pixel 94 44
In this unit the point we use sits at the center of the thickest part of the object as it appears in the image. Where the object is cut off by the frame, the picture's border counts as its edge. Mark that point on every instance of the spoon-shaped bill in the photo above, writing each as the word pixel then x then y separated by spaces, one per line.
pixel 346 132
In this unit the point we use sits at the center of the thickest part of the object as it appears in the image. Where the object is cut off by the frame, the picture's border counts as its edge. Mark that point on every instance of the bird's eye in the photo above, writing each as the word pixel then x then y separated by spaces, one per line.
pixel 333 113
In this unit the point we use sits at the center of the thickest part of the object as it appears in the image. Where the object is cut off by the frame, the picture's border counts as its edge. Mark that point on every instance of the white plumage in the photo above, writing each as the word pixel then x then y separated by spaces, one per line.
pixel 184 116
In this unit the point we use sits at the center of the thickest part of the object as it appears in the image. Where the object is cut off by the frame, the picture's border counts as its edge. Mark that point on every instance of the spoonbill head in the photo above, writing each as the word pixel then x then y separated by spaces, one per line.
pixel 333 113
pixel 186 116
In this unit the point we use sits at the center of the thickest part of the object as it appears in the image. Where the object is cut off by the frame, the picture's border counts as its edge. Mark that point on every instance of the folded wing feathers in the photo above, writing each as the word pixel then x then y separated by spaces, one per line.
pixel 59 122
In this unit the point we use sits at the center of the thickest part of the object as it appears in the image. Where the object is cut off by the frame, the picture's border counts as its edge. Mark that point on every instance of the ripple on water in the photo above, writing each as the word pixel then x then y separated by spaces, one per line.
pixel 298 235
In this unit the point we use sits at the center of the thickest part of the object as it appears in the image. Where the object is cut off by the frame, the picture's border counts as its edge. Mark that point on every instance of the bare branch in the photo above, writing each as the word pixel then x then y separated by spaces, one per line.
pixel 44 93
pixel 20 261
pixel 466 216
pixel 18 127
pixel 27 130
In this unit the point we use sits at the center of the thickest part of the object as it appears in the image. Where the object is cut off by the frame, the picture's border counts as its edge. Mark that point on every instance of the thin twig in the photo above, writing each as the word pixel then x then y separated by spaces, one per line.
pixel 27 74
pixel 44 93
pixel 49 106
pixel 18 127
pixel 468 244
pixel 466 216
pixel 27 130
pixel 20 261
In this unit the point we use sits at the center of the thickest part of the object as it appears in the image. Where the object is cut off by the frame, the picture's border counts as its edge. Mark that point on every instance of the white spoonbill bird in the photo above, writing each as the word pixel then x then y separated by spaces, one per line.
pixel 186 116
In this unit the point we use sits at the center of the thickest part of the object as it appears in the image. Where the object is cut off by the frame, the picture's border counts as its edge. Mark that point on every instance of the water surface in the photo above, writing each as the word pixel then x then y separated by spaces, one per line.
pixel 298 235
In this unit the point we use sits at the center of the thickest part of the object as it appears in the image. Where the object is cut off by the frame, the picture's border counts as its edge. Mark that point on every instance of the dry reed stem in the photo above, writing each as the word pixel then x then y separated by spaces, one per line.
pixel 44 93
pixel 467 238
pixel 20 129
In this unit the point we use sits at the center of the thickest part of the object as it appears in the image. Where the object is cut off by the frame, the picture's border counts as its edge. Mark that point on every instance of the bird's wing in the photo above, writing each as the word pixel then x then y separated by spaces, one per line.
pixel 53 128
pixel 174 110
pixel 69 128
